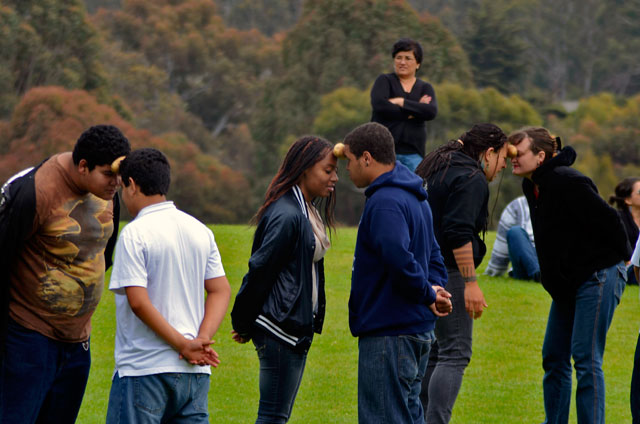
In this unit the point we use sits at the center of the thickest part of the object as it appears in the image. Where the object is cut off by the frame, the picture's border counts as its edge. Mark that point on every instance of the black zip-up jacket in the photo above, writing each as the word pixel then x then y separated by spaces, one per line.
pixel 276 292
pixel 459 197
pixel 577 233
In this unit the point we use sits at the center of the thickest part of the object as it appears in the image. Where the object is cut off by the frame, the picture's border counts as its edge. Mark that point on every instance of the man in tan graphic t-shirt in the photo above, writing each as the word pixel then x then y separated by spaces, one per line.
pixel 56 280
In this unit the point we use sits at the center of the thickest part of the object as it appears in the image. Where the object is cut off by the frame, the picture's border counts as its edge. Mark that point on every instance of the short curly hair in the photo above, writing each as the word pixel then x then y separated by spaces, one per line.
pixel 150 170
pixel 374 138
pixel 100 145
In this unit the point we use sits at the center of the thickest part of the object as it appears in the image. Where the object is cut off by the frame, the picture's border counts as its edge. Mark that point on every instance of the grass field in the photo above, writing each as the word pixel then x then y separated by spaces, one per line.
pixel 502 383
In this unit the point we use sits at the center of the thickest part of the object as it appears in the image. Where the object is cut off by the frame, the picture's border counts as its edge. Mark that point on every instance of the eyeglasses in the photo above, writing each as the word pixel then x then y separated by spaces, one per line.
pixel 407 58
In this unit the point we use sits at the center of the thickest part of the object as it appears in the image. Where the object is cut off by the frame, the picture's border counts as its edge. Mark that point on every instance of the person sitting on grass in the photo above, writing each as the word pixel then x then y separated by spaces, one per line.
pixel 515 243
pixel 165 262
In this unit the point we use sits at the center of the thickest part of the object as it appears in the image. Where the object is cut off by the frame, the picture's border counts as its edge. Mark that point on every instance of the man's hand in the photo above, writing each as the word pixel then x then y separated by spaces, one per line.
pixel 199 352
pixel 398 101
pixel 474 300
pixel 442 306
pixel 425 99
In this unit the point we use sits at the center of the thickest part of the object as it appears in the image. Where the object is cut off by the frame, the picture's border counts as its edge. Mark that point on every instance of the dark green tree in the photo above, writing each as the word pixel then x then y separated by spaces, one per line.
pixel 340 43
pixel 46 42
pixel 492 39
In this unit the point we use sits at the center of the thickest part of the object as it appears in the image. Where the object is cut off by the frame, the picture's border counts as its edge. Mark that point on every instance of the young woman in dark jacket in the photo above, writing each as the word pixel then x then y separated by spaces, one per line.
pixel 627 201
pixel 582 246
pixel 281 302
pixel 456 177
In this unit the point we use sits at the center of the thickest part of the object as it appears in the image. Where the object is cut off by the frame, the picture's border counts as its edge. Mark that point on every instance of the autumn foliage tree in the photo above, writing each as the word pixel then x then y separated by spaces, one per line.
pixel 46 43
pixel 49 120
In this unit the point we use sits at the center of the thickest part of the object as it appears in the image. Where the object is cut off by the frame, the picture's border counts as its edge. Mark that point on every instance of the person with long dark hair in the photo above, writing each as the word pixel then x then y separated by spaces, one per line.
pixel 281 302
pixel 456 176
pixel 627 201
pixel 403 103
pixel 582 246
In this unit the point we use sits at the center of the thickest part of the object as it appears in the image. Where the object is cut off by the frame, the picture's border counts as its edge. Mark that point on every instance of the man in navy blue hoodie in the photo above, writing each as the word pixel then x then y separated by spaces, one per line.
pixel 396 283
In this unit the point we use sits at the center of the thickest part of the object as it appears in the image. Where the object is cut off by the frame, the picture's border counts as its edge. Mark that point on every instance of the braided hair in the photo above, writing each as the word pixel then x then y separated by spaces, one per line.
pixel 472 143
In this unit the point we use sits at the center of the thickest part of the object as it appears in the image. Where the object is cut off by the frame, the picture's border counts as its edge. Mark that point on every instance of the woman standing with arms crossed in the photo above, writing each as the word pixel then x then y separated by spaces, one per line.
pixel 582 246
pixel 281 302
pixel 456 177
pixel 403 103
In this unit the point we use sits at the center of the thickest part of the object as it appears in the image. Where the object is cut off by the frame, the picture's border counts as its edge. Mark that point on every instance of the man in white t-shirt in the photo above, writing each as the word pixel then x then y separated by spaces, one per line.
pixel 165 261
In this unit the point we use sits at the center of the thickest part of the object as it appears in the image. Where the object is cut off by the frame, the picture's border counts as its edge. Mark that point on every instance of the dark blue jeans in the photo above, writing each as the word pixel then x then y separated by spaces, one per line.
pixel 281 370
pixel 578 328
pixel 522 254
pixel 176 398
pixel 390 372
pixel 42 379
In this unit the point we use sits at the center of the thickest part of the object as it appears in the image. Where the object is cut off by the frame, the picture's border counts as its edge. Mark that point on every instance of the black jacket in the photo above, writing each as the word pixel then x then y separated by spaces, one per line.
pixel 629 225
pixel 276 292
pixel 577 233
pixel 459 197
pixel 17 212
pixel 406 124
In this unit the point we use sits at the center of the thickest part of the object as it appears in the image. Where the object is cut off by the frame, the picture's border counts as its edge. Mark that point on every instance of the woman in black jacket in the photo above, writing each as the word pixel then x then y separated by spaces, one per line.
pixel 456 176
pixel 627 201
pixel 281 302
pixel 582 246
pixel 403 103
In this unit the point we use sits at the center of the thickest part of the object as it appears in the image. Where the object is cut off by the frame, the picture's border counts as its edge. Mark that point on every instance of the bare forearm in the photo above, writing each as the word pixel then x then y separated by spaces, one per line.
pixel 215 307
pixel 464 260
pixel 143 308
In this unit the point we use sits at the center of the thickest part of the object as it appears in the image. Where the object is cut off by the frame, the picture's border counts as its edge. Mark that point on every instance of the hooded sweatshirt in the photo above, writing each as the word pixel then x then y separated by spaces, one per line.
pixel 459 198
pixel 396 261
pixel 577 233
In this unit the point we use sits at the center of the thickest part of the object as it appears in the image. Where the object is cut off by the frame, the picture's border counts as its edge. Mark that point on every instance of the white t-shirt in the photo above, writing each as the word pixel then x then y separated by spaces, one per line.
pixel 171 254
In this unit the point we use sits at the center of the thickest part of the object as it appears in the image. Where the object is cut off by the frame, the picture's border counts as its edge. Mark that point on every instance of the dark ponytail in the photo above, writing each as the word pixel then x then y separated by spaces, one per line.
pixel 472 143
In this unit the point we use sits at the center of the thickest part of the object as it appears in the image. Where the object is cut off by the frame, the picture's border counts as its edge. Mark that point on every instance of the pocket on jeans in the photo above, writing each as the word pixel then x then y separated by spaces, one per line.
pixel 146 394
pixel 201 392
pixel 621 282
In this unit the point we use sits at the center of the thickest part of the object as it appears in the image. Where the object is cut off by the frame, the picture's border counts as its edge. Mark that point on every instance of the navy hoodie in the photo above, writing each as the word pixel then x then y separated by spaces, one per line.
pixel 396 260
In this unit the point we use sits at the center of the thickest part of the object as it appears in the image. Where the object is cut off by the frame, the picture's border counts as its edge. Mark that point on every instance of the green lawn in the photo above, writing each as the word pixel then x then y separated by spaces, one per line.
pixel 502 383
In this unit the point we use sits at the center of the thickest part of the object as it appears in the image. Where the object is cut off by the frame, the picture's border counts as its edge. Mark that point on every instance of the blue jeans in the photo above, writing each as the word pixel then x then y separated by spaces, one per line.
pixel 635 385
pixel 578 328
pixel 390 372
pixel 411 161
pixel 522 254
pixel 42 379
pixel 159 398
pixel 451 355
pixel 281 370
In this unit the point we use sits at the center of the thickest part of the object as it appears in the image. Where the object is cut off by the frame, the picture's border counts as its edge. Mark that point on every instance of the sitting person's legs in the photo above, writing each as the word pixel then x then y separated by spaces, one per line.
pixel 522 254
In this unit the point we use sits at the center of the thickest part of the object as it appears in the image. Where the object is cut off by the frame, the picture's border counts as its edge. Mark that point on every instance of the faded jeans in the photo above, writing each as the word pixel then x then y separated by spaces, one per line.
pixel 390 372
pixel 578 328
pixel 175 398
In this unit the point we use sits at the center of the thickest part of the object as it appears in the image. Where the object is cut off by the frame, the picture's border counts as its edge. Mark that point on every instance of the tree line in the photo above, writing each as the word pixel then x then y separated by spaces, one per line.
pixel 224 87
